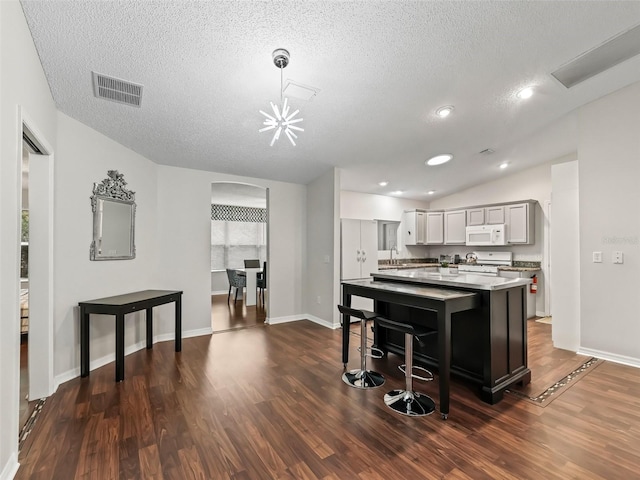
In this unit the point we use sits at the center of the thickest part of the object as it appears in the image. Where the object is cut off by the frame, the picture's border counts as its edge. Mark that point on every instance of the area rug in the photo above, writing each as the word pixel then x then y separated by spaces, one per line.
pixel 559 387
pixel 545 320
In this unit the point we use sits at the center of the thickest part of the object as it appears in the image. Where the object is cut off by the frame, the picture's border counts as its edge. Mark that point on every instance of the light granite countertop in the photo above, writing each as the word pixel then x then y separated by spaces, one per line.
pixel 479 282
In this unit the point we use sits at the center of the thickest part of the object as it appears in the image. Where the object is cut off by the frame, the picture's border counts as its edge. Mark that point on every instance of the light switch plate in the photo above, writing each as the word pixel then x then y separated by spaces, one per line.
pixel 618 257
pixel 597 257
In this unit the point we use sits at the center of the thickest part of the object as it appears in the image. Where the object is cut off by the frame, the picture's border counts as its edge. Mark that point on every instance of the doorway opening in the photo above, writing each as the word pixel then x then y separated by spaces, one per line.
pixel 239 234
pixel 36 268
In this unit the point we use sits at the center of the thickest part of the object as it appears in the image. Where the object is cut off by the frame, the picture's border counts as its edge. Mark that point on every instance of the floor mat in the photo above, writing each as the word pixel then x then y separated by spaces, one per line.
pixel 545 320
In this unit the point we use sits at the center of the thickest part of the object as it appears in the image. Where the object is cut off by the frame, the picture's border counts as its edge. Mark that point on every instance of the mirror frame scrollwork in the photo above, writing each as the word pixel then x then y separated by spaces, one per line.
pixel 111 189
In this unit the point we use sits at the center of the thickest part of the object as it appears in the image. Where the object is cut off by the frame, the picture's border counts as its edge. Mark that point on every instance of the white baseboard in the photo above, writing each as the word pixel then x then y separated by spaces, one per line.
pixel 11 467
pixel 296 318
pixel 220 292
pixel 612 357
pixel 100 362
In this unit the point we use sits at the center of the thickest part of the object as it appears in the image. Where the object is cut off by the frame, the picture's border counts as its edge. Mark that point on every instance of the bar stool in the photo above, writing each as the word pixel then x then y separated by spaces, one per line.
pixel 407 401
pixel 362 378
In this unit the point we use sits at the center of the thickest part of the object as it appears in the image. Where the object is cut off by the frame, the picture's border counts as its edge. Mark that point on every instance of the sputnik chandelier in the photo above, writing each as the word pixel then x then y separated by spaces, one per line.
pixel 281 120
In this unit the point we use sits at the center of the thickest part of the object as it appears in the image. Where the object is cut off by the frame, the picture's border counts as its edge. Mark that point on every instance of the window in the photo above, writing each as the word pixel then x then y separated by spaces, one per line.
pixel 237 233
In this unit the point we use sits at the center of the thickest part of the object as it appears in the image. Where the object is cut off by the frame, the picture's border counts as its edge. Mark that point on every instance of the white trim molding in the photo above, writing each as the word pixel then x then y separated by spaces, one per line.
pixel 303 316
pixel 611 357
pixel 10 468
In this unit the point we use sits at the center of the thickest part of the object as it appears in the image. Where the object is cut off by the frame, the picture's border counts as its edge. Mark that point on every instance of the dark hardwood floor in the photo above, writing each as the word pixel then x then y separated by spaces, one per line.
pixel 268 402
pixel 229 315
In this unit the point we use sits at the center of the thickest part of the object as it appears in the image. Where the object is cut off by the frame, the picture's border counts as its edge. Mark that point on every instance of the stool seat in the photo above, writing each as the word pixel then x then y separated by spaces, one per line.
pixel 407 401
pixel 361 377
pixel 415 330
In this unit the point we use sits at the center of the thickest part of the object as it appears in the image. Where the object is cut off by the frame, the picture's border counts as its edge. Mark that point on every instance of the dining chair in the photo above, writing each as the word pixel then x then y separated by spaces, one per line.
pixel 261 281
pixel 235 280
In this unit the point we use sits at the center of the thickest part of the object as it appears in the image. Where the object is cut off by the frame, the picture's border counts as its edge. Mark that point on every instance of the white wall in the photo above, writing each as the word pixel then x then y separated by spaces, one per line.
pixel 365 206
pixel 83 157
pixel 609 160
pixel 22 83
pixel 322 230
pixel 184 235
pixel 565 256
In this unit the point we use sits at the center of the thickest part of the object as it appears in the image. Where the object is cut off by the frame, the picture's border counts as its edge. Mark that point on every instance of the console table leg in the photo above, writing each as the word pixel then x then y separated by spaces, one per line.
pixel 119 347
pixel 84 343
pixel 150 327
pixel 179 323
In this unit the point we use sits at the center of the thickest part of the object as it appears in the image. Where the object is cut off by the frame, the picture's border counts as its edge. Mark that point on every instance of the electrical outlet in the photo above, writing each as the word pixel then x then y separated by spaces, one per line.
pixel 318 300
pixel 327 259
pixel 618 257
pixel 597 257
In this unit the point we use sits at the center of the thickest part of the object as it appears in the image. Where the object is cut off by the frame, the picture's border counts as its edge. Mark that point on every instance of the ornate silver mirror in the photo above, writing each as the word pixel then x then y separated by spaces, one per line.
pixel 114 214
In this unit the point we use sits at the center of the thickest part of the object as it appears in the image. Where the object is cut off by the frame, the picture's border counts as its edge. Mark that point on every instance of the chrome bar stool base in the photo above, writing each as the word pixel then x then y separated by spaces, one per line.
pixel 412 404
pixel 363 379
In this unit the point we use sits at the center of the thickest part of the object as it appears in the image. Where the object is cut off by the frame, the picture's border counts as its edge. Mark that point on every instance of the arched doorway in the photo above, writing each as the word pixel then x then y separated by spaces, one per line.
pixel 239 232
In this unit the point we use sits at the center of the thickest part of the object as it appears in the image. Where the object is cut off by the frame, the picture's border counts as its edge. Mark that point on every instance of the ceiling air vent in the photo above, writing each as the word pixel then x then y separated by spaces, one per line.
pixel 486 151
pixel 117 90
pixel 612 52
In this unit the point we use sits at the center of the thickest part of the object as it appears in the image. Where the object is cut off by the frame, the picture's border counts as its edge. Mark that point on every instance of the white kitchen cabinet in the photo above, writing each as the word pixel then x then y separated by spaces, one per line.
pixel 475 216
pixel 413 227
pixel 493 215
pixel 455 223
pixel 358 248
pixel 519 219
pixel 434 228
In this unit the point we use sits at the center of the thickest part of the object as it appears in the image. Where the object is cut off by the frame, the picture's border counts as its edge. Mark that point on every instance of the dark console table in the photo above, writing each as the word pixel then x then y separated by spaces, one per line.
pixel 120 305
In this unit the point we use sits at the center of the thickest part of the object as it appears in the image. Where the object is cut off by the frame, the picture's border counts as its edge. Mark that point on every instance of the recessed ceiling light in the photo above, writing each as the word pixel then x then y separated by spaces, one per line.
pixel 445 111
pixel 525 93
pixel 431 192
pixel 397 192
pixel 439 159
pixel 383 184
pixel 503 165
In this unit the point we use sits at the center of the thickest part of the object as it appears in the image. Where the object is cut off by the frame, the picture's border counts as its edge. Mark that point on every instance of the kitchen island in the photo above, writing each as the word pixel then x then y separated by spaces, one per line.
pixel 488 343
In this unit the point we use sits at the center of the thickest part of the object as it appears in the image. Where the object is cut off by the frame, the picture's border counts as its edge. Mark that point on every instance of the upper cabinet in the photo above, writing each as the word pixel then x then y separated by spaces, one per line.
pixel 413 227
pixel 493 215
pixel 455 222
pixel 435 228
pixel 520 221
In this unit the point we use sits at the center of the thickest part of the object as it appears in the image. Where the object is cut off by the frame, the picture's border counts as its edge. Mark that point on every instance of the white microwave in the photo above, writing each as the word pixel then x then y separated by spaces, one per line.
pixel 486 235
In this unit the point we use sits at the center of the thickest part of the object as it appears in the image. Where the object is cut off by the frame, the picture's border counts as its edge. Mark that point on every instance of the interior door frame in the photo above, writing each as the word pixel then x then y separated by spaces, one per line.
pixel 41 253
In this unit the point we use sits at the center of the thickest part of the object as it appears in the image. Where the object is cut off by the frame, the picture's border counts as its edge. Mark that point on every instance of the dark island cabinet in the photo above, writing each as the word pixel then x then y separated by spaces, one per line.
pixel 488 343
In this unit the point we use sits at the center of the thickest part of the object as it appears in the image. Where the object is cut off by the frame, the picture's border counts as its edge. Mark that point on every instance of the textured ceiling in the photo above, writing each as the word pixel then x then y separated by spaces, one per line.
pixel 382 68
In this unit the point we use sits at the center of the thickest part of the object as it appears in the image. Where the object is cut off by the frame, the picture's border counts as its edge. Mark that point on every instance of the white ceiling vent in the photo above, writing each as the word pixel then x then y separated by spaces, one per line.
pixel 612 52
pixel 116 90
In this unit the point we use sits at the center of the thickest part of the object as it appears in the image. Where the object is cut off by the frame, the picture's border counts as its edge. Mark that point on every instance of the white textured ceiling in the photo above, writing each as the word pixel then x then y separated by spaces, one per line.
pixel 382 68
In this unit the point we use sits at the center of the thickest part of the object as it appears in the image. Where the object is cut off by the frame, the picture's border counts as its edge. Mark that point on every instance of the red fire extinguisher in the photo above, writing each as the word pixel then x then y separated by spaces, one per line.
pixel 533 288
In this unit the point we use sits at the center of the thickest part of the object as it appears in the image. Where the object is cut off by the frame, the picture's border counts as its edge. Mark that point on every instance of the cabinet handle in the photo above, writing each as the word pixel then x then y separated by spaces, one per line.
pixel 364 256
pixel 358 258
